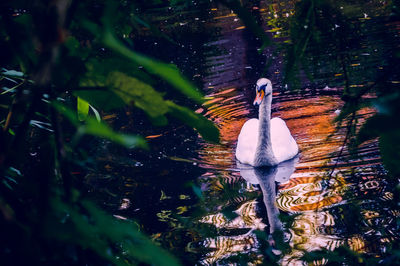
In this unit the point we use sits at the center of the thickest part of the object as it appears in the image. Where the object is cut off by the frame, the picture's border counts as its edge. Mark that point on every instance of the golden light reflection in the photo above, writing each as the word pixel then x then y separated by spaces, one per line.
pixel 246 218
pixel 225 246
pixel 311 123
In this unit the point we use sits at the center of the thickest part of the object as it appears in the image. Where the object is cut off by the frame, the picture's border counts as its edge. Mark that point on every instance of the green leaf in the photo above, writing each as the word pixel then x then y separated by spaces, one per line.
pixel 100 129
pixel 129 90
pixel 82 108
pixel 205 127
pixel 97 230
pixel 168 72
pixel 105 99
pixel 135 92
pixel 98 69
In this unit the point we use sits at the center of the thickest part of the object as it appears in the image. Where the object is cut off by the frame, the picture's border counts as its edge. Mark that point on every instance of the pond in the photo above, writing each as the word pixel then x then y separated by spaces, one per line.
pixel 192 197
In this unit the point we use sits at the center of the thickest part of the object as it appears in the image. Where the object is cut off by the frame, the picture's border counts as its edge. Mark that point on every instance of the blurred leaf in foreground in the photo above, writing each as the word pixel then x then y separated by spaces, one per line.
pixel 385 125
pixel 205 127
pixel 96 229
pixel 102 99
pixel 126 90
pixel 100 129
pixel 139 94
pixel 83 109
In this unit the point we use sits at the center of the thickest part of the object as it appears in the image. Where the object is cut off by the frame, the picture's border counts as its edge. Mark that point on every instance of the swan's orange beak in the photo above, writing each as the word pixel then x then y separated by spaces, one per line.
pixel 259 97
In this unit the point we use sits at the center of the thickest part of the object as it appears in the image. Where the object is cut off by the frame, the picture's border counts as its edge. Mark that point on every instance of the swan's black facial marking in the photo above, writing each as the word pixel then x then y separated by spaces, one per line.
pixel 262 87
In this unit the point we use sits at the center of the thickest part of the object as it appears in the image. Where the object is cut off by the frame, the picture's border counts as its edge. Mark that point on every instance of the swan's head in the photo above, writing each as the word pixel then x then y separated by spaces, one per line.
pixel 263 88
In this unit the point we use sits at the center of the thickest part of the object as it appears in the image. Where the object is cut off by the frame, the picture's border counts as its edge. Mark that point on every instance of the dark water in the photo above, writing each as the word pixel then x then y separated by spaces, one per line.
pixel 191 196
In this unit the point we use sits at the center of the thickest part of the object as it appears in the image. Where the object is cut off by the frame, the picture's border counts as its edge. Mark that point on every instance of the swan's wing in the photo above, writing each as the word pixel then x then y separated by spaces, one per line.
pixel 247 142
pixel 283 144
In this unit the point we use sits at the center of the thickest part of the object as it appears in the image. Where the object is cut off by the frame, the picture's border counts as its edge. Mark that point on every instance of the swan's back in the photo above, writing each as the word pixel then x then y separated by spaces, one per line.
pixel 283 144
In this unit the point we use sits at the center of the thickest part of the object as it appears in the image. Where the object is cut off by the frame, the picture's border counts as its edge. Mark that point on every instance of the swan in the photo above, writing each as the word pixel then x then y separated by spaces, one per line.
pixel 265 141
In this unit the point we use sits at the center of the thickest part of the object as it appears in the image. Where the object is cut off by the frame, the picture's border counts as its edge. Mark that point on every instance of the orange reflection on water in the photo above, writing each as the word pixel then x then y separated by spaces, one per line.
pixel 328 201
pixel 228 112
pixel 311 123
pixel 293 182
pixel 314 188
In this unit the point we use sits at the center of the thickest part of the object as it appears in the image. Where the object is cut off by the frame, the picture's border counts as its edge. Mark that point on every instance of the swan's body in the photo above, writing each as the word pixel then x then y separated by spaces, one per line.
pixel 284 147
pixel 265 141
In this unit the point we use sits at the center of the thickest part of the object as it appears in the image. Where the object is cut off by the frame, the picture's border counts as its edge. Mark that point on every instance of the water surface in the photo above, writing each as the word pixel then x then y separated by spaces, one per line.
pixel 193 197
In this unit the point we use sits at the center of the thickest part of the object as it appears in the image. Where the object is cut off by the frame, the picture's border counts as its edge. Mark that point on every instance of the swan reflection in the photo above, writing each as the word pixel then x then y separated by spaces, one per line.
pixel 266 178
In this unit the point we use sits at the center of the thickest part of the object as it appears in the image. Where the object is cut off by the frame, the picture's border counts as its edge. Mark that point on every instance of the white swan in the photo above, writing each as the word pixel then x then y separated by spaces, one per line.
pixel 265 141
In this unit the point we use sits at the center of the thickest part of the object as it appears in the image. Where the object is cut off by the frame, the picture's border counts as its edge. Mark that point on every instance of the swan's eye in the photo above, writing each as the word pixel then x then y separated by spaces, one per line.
pixel 261 88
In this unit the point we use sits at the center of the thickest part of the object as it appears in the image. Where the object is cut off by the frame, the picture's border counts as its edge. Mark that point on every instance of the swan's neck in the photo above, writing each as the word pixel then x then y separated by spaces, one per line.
pixel 264 153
